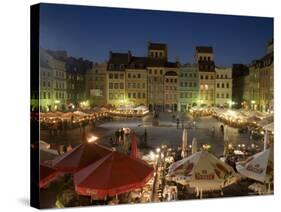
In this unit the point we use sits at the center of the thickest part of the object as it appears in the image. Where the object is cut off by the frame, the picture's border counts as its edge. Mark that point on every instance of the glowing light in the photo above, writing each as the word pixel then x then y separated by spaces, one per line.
pixel 158 150
pixel 92 139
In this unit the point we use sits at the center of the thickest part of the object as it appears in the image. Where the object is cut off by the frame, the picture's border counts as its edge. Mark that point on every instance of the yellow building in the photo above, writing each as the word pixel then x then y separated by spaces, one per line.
pixel 53 93
pixel 223 97
pixel 171 91
pixel 261 82
pixel 136 82
pixel 204 58
pixel 115 78
pixel 96 88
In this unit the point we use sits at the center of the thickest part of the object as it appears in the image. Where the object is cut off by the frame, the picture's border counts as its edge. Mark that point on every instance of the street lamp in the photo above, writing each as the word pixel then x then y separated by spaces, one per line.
pixel 253 102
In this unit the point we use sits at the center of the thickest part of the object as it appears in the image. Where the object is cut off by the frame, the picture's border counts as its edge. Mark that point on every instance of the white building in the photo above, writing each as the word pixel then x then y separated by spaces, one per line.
pixel 223 87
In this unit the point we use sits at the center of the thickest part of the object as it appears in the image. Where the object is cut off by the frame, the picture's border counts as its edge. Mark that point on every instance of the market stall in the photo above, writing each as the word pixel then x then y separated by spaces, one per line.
pixel 129 111
pixel 113 174
pixel 202 171
pixel 80 157
pixel 259 167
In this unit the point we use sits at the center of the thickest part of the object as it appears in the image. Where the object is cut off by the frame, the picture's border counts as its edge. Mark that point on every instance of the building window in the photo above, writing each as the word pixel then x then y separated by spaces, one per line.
pixel 134 95
pixel 161 71
pixel 115 76
pixel 121 86
pixel 212 77
pixel 110 85
pixel 206 77
pixel 115 85
pixel 149 71
pixel 194 84
pixel 218 85
pixel 155 71
pixel 44 83
pixel 110 76
pixel 225 76
pixel 129 85
pixel 129 95
pixel 129 75
pixel 201 77
pixel 222 85
pixel 227 85
pixel 222 95
pixel 218 95
pixel 227 95
pixel 139 76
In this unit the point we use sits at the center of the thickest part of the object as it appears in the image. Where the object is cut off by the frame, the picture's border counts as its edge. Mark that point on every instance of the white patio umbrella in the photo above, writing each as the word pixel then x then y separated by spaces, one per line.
pixel 194 145
pixel 184 143
pixel 202 171
pixel 258 167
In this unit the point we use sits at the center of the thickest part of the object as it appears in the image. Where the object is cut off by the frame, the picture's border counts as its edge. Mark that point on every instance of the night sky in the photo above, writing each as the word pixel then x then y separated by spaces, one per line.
pixel 91 32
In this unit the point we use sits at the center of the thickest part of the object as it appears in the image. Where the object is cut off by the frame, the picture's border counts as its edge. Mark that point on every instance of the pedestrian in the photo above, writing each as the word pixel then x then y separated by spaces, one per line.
pixel 213 131
pixel 178 122
pixel 122 135
pixel 145 138
pixel 111 141
pixel 222 129
pixel 117 136
pixel 173 117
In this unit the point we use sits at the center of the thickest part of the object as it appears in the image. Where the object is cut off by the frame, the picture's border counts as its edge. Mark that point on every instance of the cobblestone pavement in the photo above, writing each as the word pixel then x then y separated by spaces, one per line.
pixel 165 133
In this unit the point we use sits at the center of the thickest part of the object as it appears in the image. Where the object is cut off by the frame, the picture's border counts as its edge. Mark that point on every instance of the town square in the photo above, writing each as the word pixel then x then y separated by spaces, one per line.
pixel 146 117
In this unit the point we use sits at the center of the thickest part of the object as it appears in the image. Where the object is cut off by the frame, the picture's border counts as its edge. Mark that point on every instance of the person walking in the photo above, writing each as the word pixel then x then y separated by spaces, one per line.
pixel 117 137
pixel 213 131
pixel 121 135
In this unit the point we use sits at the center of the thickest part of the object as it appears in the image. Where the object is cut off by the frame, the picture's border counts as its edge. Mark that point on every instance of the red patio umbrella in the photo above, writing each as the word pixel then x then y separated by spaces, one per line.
pixel 47 175
pixel 134 146
pixel 80 157
pixel 114 174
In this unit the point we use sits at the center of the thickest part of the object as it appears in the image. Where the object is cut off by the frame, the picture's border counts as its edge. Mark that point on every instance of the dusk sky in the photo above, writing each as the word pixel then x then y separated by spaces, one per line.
pixel 91 32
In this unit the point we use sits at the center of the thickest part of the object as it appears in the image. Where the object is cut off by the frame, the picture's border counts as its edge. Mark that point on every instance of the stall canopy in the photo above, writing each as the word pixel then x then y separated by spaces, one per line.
pixel 47 175
pixel 203 171
pixel 258 167
pixel 114 174
pixel 79 157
